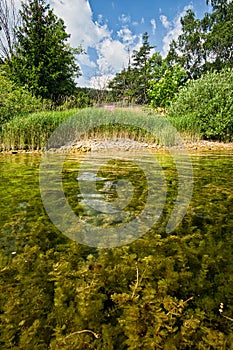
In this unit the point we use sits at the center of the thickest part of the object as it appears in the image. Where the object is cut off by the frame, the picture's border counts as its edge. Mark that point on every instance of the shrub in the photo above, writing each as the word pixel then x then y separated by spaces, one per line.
pixel 78 100
pixel 163 91
pixel 207 104
pixel 15 100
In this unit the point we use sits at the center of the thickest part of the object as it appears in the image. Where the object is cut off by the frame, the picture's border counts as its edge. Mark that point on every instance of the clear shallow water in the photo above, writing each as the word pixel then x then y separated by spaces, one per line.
pixel 183 276
pixel 118 193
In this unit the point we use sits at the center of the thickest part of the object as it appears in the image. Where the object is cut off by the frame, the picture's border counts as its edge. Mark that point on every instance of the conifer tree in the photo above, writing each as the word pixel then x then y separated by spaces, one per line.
pixel 140 65
pixel 43 60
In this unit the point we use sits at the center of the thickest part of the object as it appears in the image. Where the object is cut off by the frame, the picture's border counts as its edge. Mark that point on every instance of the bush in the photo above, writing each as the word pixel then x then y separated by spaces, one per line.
pixel 78 100
pixel 207 105
pixel 163 91
pixel 15 100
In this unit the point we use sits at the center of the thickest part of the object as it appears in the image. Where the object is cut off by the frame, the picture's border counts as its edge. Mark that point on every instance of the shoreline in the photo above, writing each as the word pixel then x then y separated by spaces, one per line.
pixel 126 144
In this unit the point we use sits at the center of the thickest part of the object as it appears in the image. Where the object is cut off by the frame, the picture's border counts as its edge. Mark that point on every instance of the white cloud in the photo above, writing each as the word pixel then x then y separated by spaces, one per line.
pixel 78 17
pixel 113 56
pixel 124 19
pixel 175 31
pixel 85 60
pixel 153 23
pixel 84 82
pixel 110 55
pixel 126 35
pixel 166 24
pixel 101 81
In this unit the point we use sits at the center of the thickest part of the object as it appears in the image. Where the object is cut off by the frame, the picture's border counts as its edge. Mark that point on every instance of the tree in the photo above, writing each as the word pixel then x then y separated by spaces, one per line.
pixel 121 85
pixel 15 100
pixel 219 42
pixel 43 61
pixel 140 65
pixel 206 104
pixel 163 90
pixel 207 43
pixel 188 50
pixel 8 23
pixel 132 82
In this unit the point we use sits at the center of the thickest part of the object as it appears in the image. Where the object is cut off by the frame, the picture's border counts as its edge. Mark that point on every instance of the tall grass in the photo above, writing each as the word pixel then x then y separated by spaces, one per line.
pixel 97 123
pixel 187 125
pixel 32 132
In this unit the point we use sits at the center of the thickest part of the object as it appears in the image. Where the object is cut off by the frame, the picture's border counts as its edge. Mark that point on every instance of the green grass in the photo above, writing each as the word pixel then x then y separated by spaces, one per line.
pixel 187 126
pixel 136 125
pixel 33 131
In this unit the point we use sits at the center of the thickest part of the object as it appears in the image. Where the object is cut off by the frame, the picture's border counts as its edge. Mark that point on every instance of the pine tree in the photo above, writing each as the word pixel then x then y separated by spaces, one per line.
pixel 43 61
pixel 140 65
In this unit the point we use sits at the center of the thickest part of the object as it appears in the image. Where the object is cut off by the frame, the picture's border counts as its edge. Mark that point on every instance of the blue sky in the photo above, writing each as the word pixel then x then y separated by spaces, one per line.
pixel 109 30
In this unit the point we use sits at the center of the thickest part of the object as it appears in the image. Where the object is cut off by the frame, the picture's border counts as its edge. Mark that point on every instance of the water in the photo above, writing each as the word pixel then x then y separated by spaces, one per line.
pixel 118 193
pixel 179 277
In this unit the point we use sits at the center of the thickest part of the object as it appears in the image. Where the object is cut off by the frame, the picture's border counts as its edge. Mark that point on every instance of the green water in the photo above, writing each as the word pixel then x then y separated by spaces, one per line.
pixel 202 258
pixel 209 211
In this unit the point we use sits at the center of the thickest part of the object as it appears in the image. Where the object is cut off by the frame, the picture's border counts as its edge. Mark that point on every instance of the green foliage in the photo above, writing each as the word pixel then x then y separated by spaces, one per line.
pixel 15 100
pixel 140 69
pixel 205 44
pixel 207 105
pixel 131 84
pixel 163 90
pixel 188 50
pixel 122 86
pixel 31 132
pixel 43 61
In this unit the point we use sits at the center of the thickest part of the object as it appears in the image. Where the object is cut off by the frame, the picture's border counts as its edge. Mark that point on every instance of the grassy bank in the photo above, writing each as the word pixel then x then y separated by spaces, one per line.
pixel 33 131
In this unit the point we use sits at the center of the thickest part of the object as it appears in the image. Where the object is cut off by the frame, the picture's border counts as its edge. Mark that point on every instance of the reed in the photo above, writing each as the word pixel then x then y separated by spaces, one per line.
pixel 32 132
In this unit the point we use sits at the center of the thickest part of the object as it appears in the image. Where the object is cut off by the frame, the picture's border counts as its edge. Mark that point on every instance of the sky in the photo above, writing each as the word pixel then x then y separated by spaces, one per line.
pixel 109 31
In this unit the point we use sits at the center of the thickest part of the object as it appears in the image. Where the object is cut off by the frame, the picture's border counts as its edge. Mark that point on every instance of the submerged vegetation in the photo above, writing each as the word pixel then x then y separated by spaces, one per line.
pixel 161 291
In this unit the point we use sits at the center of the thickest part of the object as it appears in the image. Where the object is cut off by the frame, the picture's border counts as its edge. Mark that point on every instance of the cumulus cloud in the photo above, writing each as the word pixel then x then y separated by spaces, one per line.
pixel 174 31
pixel 111 55
pixel 126 35
pixel 166 24
pixel 78 17
pixel 100 82
pixel 153 23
